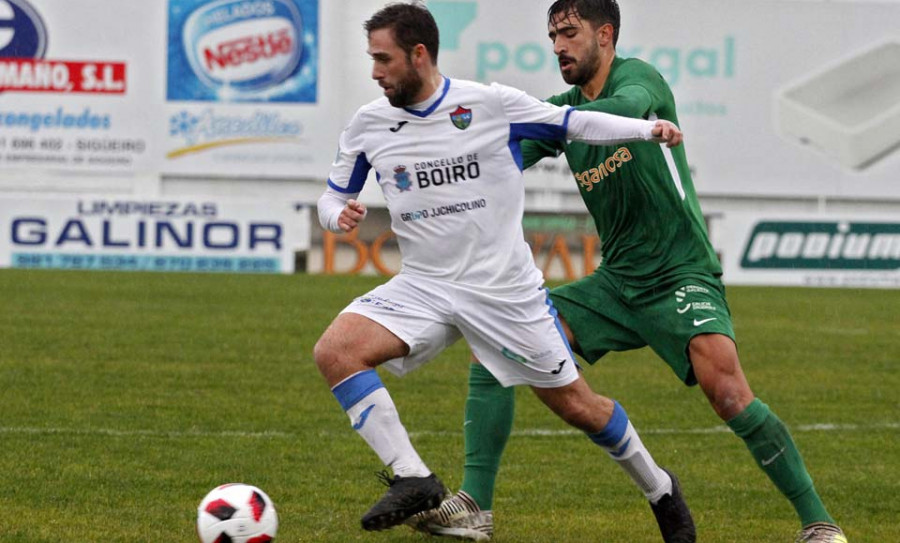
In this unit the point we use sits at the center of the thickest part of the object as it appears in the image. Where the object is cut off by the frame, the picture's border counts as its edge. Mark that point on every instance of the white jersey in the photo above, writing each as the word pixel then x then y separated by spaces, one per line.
pixel 452 178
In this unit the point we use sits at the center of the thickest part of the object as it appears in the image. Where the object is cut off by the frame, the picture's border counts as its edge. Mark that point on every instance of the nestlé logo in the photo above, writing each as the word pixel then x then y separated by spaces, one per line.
pixel 244 44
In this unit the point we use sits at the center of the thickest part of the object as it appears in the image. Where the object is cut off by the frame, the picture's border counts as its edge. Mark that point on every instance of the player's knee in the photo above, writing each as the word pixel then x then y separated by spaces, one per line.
pixel 332 362
pixel 730 397
pixel 325 354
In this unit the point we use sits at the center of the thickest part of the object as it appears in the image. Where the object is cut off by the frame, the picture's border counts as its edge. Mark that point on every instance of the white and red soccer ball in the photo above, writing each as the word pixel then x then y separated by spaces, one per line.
pixel 236 513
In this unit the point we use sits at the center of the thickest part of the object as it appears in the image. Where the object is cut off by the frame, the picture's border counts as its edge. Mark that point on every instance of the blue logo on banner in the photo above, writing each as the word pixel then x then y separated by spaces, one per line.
pixel 243 50
pixel 22 31
pixel 208 126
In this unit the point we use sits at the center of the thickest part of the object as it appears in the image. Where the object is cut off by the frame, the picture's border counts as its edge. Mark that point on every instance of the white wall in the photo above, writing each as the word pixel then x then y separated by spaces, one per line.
pixel 748 35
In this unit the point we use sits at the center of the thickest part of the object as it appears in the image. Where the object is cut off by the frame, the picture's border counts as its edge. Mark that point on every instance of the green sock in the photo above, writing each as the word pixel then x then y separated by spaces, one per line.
pixel 775 453
pixel 488 423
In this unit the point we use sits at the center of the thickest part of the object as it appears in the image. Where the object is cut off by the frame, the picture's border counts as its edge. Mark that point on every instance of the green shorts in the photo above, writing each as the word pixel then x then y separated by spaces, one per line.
pixel 606 314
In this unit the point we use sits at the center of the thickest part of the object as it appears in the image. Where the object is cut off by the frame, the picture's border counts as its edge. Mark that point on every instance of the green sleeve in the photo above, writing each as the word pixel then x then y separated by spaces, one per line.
pixel 534 150
pixel 630 101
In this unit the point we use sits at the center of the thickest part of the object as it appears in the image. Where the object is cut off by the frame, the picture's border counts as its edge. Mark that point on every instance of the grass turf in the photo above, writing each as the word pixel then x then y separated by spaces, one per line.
pixel 125 397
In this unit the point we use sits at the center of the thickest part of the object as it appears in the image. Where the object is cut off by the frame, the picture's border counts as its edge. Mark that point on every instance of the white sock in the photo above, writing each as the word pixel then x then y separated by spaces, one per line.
pixel 635 459
pixel 374 417
pixel 624 445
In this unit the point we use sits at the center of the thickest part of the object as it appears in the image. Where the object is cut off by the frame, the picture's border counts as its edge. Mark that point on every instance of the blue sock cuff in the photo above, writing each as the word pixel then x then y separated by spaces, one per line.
pixel 614 431
pixel 356 387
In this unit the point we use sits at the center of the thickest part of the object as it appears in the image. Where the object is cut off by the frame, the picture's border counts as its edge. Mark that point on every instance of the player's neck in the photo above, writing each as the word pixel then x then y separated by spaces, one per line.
pixel 433 80
pixel 592 89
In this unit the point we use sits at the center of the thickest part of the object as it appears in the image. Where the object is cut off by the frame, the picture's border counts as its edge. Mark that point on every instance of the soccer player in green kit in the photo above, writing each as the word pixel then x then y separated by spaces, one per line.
pixel 658 285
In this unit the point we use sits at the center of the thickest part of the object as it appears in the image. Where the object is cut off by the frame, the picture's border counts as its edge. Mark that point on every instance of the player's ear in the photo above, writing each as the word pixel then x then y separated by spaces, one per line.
pixel 420 55
pixel 605 34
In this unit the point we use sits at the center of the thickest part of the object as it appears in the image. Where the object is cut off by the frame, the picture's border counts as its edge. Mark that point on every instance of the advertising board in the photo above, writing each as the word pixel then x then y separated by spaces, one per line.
pixel 737 84
pixel 75 86
pixel 810 250
pixel 245 95
pixel 107 232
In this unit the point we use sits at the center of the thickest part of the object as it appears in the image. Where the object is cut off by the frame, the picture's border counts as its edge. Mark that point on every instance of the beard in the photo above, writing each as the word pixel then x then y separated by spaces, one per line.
pixel 582 71
pixel 406 89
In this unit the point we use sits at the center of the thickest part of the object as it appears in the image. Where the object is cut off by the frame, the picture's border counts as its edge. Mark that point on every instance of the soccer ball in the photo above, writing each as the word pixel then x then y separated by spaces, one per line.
pixel 236 513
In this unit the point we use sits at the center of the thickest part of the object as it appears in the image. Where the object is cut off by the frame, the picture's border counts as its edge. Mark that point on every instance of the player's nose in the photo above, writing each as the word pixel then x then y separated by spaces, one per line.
pixel 559 47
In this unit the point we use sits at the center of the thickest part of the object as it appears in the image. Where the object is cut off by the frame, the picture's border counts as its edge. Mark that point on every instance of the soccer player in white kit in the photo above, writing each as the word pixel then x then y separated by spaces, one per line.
pixel 446 155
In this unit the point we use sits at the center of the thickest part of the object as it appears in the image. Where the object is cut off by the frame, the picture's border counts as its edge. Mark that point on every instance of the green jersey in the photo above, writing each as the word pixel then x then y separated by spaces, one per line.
pixel 640 194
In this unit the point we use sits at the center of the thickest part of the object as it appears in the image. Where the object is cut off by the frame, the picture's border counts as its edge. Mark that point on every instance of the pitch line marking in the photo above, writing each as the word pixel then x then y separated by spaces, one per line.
pixel 528 432
pixel 111 432
pixel 800 428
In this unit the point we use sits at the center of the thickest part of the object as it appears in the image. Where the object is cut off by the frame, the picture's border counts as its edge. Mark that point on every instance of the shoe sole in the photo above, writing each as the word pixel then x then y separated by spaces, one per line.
pixel 458 533
pixel 393 518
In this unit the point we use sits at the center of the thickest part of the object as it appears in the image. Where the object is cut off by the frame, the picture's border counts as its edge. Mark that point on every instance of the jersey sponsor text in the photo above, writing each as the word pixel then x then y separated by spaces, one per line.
pixel 589 178
pixel 459 207
pixel 434 173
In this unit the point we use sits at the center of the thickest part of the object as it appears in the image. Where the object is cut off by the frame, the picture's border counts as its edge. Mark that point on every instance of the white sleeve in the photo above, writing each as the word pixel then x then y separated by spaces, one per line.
pixel 351 167
pixel 529 117
pixel 604 129
pixel 533 119
pixel 347 177
pixel 329 207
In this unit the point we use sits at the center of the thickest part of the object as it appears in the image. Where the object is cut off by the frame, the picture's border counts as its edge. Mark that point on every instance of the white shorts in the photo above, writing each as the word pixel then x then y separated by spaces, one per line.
pixel 514 332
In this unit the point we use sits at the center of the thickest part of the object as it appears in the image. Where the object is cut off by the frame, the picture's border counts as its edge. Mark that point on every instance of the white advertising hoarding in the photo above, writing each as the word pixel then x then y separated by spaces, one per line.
pixel 106 232
pixel 733 67
pixel 776 97
pixel 223 88
pixel 79 86
pixel 809 250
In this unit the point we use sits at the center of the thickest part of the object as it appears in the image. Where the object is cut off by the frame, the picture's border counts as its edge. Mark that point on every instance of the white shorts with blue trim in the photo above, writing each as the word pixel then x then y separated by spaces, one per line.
pixel 514 331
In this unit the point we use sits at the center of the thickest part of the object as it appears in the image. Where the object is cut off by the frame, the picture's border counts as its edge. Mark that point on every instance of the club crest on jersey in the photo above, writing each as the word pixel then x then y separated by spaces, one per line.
pixel 461 117
pixel 401 178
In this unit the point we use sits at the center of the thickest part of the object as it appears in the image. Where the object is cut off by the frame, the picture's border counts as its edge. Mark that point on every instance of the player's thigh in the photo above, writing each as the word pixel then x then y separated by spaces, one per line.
pixel 353 343
pixel 598 319
pixel 517 337
pixel 672 315
pixel 362 338
pixel 411 310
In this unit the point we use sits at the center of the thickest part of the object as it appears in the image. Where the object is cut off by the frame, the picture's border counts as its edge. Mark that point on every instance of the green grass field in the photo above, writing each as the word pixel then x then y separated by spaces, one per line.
pixel 125 397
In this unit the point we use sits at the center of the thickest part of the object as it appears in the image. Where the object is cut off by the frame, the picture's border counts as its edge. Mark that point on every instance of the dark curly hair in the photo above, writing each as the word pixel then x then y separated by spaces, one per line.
pixel 596 12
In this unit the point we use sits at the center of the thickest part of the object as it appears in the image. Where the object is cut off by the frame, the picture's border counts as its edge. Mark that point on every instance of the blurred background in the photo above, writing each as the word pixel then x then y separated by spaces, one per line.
pixel 196 135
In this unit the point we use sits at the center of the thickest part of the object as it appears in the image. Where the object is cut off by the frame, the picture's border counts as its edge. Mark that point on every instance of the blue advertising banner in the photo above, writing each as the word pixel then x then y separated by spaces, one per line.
pixel 243 50
pixel 242 92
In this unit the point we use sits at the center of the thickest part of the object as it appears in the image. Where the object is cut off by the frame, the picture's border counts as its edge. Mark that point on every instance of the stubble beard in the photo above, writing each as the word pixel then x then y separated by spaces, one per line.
pixel 406 90
pixel 584 69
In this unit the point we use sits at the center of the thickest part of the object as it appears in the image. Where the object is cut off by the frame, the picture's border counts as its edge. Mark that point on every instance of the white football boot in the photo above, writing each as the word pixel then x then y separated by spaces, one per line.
pixel 458 516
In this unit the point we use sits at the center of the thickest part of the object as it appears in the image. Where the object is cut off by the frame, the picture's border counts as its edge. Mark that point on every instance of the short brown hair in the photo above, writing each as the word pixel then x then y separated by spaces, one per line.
pixel 412 24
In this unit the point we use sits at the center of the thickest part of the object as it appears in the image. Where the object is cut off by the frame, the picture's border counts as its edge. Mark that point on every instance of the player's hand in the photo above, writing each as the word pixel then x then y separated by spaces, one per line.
pixel 353 213
pixel 668 133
